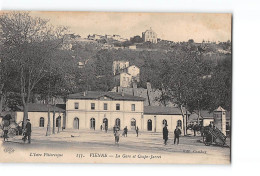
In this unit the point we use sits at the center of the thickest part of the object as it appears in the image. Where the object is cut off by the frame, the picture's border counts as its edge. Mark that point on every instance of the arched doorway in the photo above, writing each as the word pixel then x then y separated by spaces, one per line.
pixel 92 123
pixel 76 123
pixel 117 123
pixel 149 125
pixel 179 123
pixel 41 122
pixel 105 122
pixel 164 122
pixel 58 121
pixel 133 124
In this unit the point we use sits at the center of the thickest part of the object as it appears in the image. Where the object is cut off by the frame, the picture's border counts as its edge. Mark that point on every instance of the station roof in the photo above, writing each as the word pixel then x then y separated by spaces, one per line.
pixel 161 110
pixel 34 107
pixel 93 95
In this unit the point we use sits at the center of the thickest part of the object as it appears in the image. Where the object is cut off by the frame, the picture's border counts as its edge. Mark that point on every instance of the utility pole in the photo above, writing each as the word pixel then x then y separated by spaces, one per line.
pixel 53 120
pixel 48 132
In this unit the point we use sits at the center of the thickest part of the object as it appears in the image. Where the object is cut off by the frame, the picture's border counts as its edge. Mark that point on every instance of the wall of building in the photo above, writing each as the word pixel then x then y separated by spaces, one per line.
pixel 84 113
pixel 118 65
pixel 206 122
pixel 157 122
pixel 35 118
pixel 133 70
pixel 125 80
pixel 150 36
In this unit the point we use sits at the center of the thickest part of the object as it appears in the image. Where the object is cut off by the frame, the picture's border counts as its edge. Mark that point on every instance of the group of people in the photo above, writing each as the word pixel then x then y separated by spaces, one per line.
pixel 177 133
pixel 26 132
pixel 125 131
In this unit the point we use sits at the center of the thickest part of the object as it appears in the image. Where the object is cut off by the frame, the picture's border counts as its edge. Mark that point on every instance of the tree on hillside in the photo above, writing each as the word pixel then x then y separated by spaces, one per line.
pixel 180 78
pixel 136 39
pixel 29 42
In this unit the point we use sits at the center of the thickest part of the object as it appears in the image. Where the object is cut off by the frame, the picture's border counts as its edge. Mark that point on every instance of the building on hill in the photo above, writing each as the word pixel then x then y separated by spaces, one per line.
pixel 95 37
pixel 125 75
pixel 150 95
pixel 119 65
pixel 132 47
pixel 149 36
pixel 123 79
pixel 134 71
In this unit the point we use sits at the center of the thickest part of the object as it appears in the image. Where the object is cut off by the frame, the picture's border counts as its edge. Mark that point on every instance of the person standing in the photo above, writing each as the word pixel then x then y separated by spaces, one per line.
pixel 5 129
pixel 28 131
pixel 106 128
pixel 117 136
pixel 177 133
pixel 165 134
pixel 137 130
pixel 125 131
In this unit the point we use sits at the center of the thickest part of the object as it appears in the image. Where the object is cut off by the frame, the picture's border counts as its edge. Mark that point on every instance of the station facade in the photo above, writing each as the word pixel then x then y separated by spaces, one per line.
pixel 91 110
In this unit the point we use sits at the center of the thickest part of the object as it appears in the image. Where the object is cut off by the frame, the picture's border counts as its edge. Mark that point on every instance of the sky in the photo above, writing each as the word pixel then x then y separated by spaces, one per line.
pixel 168 26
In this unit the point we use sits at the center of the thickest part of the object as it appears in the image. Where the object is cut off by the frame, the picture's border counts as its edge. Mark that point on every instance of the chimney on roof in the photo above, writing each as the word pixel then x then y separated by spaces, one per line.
pixel 122 93
pixel 85 93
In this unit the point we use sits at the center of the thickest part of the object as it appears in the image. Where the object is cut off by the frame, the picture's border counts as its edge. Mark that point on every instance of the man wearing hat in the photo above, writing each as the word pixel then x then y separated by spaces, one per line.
pixel 177 133
pixel 28 131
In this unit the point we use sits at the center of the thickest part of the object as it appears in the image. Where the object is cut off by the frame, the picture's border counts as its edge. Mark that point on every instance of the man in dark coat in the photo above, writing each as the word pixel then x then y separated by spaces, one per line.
pixel 125 131
pixel 106 127
pixel 28 131
pixel 177 133
pixel 165 134
pixel 137 130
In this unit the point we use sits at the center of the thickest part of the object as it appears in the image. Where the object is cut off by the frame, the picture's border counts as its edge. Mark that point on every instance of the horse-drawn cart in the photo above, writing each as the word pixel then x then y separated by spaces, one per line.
pixel 213 136
pixel 12 127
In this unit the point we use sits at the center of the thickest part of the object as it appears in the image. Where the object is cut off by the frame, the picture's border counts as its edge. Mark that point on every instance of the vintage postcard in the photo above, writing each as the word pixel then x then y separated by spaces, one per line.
pixel 110 87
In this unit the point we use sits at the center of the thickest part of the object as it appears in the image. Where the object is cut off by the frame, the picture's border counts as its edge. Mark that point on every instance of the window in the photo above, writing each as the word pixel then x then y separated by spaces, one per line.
pixel 133 122
pixel 76 123
pixel 76 105
pixel 92 123
pixel 58 121
pixel 92 106
pixel 227 126
pixel 105 106
pixel 41 122
pixel 179 124
pixel 117 123
pixel 117 107
pixel 149 125
pixel 133 107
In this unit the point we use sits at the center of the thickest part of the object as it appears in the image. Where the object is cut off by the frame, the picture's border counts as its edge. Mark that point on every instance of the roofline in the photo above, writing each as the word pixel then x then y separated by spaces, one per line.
pixel 56 111
pixel 162 113
pixel 85 98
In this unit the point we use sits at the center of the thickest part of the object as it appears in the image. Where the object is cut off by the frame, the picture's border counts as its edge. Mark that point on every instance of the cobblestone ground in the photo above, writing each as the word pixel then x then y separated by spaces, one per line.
pixel 190 150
